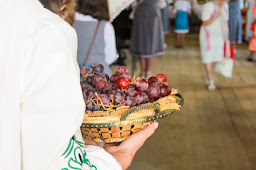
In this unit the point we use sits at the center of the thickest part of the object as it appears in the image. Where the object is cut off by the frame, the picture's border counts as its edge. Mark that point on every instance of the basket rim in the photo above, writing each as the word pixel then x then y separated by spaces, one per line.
pixel 135 121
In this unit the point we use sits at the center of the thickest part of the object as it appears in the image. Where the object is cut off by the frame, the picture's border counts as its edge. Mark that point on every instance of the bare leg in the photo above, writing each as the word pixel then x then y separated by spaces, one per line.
pixel 149 63
pixel 142 67
pixel 208 68
pixel 178 40
pixel 214 65
pixel 182 37
pixel 178 43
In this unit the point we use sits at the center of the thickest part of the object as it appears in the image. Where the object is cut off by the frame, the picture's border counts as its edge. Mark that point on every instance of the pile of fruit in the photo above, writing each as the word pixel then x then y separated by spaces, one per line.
pixel 102 92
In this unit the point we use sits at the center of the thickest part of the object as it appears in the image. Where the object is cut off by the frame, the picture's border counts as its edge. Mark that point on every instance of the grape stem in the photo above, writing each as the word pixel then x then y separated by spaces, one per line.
pixel 135 79
pixel 109 107
pixel 86 75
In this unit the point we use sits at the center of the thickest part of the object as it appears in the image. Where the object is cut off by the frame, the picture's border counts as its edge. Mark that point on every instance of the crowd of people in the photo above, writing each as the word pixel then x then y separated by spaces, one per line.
pixel 221 25
pixel 47 46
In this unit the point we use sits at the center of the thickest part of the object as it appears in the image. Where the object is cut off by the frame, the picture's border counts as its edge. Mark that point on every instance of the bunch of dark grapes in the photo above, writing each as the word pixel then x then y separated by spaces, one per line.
pixel 101 92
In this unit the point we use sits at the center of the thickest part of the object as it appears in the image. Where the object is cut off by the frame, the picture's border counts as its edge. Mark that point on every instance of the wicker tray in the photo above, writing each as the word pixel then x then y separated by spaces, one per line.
pixel 117 126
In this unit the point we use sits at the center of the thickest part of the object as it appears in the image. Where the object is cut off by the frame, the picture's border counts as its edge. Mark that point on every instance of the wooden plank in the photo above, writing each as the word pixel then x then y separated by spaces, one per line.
pixel 214 130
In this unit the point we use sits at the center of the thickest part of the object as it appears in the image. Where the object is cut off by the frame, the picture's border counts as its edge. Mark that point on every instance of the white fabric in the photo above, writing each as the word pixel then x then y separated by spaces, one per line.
pixel 249 19
pixel 241 4
pixel 98 158
pixel 182 5
pixel 109 38
pixel 162 4
pixel 43 103
pixel 117 6
pixel 2 103
pixel 216 36
pixel 225 67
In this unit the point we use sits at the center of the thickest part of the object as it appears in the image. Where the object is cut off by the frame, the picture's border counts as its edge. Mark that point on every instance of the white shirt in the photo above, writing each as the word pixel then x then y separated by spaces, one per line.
pixel 41 101
pixel 109 37
pixel 182 5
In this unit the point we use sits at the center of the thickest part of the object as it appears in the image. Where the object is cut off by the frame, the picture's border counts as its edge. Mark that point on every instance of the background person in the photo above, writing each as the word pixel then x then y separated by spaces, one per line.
pixel 89 13
pixel 235 22
pixel 147 39
pixel 252 46
pixel 249 4
pixel 213 34
pixel 181 8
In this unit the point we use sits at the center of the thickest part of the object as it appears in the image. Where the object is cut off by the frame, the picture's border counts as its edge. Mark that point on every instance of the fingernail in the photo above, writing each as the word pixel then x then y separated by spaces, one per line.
pixel 156 125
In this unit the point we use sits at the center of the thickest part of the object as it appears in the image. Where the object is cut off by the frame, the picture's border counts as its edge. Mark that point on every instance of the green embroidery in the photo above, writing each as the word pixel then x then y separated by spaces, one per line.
pixel 79 156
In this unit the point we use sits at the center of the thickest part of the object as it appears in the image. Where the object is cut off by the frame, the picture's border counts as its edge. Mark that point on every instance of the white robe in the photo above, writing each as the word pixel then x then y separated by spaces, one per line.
pixel 41 103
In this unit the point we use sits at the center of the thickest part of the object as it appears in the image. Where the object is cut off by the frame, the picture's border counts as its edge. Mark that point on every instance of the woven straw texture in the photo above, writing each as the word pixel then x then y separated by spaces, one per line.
pixel 116 126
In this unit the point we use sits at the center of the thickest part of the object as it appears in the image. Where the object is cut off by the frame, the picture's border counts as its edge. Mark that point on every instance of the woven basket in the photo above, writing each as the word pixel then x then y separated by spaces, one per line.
pixel 116 126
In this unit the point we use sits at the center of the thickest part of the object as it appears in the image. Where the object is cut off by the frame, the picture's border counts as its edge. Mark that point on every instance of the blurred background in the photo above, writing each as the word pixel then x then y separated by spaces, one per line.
pixel 214 129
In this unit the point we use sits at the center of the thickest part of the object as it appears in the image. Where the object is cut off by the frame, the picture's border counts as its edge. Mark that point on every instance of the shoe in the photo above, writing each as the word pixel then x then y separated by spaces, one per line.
pixel 250 59
pixel 211 86
pixel 142 75
pixel 205 78
pixel 177 46
pixel 149 74
pixel 165 45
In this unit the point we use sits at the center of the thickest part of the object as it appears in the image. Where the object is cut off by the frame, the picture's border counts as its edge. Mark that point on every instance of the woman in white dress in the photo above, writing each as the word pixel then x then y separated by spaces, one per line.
pixel 41 102
pixel 213 34
pixel 249 4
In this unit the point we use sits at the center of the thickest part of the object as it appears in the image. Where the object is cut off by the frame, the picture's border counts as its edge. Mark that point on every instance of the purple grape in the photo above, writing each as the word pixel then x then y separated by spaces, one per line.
pixel 108 87
pixel 89 79
pixel 89 70
pixel 114 78
pixel 111 95
pixel 125 75
pixel 100 85
pixel 96 79
pixel 142 85
pixel 119 97
pixel 153 92
pixel 82 71
pixel 154 84
pixel 95 108
pixel 121 69
pixel 146 97
pixel 164 91
pixel 152 79
pixel 131 92
pixel 98 69
pixel 139 98
pixel 104 98
pixel 89 106
pixel 129 101
pixel 90 93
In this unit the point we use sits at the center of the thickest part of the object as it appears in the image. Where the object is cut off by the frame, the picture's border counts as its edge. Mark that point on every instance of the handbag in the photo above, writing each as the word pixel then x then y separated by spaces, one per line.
pixel 225 67
pixel 232 52
pixel 91 45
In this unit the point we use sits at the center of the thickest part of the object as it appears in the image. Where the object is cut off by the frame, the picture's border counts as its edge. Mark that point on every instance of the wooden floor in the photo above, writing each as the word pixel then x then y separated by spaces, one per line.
pixel 214 130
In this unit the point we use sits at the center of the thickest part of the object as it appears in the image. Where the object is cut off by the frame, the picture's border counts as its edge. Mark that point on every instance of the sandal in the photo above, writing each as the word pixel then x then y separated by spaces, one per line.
pixel 149 74
pixel 142 75
pixel 211 86
pixel 250 59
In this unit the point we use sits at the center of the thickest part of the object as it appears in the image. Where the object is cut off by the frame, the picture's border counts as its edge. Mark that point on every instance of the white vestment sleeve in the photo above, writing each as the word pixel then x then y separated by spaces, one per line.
pixel 52 106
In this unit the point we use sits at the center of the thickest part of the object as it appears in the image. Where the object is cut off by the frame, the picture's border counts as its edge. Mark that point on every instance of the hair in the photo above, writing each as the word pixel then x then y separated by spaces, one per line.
pixel 64 8
pixel 96 8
